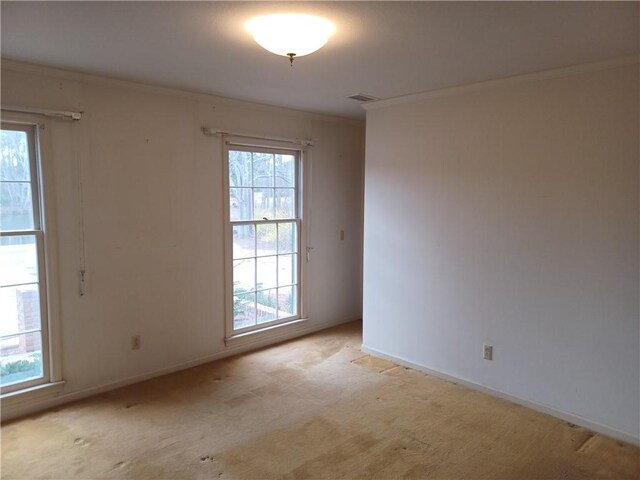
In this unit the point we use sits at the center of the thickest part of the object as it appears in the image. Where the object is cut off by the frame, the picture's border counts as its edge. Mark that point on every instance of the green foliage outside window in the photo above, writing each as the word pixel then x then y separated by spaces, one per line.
pixel 18 370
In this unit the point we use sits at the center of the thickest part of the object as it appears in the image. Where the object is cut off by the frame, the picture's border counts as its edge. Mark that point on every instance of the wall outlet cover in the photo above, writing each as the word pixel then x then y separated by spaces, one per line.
pixel 487 352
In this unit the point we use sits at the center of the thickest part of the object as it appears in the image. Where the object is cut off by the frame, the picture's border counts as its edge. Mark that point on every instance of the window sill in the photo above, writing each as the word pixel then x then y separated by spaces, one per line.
pixel 274 332
pixel 27 395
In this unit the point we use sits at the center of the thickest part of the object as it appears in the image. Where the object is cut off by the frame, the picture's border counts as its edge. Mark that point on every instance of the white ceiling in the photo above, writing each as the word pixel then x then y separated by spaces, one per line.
pixel 384 49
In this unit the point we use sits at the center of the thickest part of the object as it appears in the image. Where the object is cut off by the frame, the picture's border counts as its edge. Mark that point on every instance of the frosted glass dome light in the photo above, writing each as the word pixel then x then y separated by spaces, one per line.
pixel 290 35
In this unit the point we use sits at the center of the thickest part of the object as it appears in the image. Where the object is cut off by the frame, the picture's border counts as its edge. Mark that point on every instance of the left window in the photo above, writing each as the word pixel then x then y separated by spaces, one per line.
pixel 24 342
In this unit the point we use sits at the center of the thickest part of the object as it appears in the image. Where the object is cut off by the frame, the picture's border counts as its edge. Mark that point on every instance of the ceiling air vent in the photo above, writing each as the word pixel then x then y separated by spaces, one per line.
pixel 361 97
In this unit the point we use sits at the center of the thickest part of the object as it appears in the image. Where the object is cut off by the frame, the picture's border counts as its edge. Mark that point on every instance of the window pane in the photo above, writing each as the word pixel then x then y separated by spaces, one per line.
pixel 266 244
pixel 263 203
pixel 240 169
pixel 20 358
pixel 244 275
pixel 285 203
pixel 18 260
pixel 244 310
pixel 16 206
pixel 287 242
pixel 19 309
pixel 287 270
pixel 285 170
pixel 244 241
pixel 287 302
pixel 266 306
pixel 266 272
pixel 14 162
pixel 240 204
pixel 262 169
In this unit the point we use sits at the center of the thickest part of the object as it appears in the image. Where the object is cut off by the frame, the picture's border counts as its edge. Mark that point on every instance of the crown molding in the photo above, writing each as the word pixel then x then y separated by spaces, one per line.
pixel 113 82
pixel 505 82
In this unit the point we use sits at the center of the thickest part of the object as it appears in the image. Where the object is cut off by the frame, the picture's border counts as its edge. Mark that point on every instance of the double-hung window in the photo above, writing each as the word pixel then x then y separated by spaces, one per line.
pixel 24 345
pixel 263 236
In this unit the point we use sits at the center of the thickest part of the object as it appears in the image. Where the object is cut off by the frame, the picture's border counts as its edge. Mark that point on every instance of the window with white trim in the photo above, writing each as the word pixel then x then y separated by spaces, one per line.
pixel 263 236
pixel 24 345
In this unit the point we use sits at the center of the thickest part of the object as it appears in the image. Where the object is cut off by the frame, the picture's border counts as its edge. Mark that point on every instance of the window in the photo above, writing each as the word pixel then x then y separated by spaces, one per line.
pixel 264 237
pixel 24 352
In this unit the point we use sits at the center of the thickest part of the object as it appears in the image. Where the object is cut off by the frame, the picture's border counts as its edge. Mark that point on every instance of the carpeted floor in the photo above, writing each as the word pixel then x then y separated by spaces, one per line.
pixel 315 407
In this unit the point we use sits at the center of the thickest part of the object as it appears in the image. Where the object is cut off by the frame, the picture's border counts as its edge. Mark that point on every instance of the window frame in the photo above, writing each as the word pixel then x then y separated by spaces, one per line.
pixel 32 130
pixel 271 147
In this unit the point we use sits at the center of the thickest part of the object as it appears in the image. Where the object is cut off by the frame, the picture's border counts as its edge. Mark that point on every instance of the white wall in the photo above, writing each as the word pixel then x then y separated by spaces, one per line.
pixel 508 214
pixel 153 218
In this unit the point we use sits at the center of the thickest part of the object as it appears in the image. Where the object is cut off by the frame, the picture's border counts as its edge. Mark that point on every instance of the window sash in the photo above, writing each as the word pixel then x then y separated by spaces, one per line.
pixel 296 284
pixel 33 181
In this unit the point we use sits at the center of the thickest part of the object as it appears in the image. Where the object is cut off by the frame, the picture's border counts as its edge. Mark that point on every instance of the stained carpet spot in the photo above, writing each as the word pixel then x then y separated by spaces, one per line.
pixel 374 363
pixel 240 399
pixel 80 442
pixel 585 443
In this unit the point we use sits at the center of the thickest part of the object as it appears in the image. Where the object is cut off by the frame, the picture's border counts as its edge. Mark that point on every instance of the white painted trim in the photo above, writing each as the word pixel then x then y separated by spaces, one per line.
pixel 42 70
pixel 504 82
pixel 271 332
pixel 539 407
pixel 47 207
pixel 270 146
pixel 44 232
pixel 50 229
pixel 32 394
pixel 26 407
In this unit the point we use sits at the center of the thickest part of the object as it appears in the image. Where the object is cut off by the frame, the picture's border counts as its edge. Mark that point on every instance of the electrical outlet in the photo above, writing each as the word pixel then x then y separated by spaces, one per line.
pixel 487 352
pixel 135 342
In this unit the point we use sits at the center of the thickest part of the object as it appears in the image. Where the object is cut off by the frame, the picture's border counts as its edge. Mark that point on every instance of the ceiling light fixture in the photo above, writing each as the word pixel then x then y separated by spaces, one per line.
pixel 290 35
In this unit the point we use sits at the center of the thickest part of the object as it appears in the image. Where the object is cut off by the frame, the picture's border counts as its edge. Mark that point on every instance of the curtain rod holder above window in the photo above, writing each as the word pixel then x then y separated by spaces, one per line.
pixel 74 116
pixel 212 132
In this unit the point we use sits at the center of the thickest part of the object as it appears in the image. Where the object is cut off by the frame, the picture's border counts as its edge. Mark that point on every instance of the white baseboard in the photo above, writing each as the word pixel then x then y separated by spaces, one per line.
pixel 13 409
pixel 549 410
